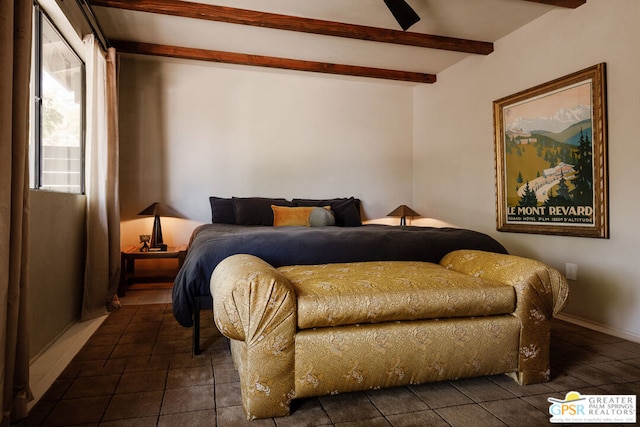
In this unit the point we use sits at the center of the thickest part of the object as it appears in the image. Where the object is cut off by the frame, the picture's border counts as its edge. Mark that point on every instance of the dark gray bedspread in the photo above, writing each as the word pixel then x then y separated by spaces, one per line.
pixel 279 246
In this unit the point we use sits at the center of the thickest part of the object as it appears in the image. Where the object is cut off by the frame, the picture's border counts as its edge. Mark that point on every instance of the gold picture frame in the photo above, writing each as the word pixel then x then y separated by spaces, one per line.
pixel 551 157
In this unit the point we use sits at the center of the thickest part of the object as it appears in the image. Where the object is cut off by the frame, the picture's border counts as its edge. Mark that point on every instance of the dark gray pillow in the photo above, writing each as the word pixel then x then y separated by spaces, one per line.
pixel 256 210
pixel 345 210
pixel 222 210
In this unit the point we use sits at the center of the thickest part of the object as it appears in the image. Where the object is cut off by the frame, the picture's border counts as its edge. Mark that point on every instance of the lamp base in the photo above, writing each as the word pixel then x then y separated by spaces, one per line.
pixel 156 234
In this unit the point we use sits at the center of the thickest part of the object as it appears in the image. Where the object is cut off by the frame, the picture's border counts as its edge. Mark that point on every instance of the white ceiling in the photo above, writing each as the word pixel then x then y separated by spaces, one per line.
pixel 481 20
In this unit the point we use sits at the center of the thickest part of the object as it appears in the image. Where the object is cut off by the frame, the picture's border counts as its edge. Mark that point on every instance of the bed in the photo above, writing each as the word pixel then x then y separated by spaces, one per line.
pixel 303 245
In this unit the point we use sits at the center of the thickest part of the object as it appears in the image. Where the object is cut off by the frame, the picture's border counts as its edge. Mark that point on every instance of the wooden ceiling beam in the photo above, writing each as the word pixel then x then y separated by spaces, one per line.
pixel 123 46
pixel 571 4
pixel 293 23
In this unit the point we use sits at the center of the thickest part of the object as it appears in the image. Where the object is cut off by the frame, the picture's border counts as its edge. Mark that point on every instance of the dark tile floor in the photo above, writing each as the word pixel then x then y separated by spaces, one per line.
pixel 137 370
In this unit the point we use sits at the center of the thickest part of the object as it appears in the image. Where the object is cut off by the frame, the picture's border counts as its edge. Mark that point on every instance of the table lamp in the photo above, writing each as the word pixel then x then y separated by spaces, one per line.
pixel 403 211
pixel 158 209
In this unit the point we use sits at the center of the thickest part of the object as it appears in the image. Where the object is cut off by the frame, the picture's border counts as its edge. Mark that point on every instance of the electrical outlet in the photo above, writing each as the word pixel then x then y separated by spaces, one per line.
pixel 571 271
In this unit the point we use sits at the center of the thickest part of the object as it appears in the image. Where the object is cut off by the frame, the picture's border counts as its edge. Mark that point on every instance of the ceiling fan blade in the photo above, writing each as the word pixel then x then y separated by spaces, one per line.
pixel 403 13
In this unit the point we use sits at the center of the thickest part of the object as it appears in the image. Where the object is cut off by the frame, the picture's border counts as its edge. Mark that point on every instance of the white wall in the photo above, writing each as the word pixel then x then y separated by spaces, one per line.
pixel 190 130
pixel 454 178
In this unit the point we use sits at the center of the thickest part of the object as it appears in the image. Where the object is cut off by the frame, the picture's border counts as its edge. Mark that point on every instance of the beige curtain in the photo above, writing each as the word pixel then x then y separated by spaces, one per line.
pixel 102 267
pixel 15 60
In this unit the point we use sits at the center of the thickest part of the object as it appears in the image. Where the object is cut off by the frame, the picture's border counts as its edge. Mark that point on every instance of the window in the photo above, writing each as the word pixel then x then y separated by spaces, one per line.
pixel 57 135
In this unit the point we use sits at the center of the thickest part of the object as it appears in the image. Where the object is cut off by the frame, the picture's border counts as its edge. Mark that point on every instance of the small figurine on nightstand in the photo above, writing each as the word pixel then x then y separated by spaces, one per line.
pixel 145 238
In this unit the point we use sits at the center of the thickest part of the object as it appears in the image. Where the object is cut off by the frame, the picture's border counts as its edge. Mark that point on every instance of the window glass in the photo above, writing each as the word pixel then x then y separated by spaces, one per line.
pixel 59 133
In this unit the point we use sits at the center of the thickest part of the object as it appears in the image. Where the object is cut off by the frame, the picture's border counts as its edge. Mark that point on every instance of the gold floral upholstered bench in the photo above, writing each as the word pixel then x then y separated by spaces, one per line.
pixel 312 330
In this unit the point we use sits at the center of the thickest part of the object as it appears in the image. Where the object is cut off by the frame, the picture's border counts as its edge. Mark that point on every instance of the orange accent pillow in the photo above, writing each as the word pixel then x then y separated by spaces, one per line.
pixel 286 216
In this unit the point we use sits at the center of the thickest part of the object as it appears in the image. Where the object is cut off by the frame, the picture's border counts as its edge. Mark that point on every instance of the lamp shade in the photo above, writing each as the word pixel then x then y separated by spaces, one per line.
pixel 158 209
pixel 403 211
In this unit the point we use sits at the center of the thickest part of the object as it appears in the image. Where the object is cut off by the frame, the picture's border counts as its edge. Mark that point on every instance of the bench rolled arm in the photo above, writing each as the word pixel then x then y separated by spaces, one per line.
pixel 535 282
pixel 255 305
pixel 541 293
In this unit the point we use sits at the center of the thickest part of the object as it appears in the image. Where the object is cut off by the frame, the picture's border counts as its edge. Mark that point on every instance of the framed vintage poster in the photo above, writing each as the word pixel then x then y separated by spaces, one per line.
pixel 551 157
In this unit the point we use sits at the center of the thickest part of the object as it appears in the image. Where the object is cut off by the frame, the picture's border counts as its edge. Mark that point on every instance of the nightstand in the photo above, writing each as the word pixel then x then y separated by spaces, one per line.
pixel 129 256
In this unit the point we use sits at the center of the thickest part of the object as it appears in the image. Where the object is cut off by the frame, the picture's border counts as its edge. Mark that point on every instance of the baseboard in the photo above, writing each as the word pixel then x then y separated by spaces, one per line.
pixel 598 327
pixel 45 368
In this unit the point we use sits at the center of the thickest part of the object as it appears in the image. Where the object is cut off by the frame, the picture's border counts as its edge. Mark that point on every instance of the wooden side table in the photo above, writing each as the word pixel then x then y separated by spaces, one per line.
pixel 132 253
